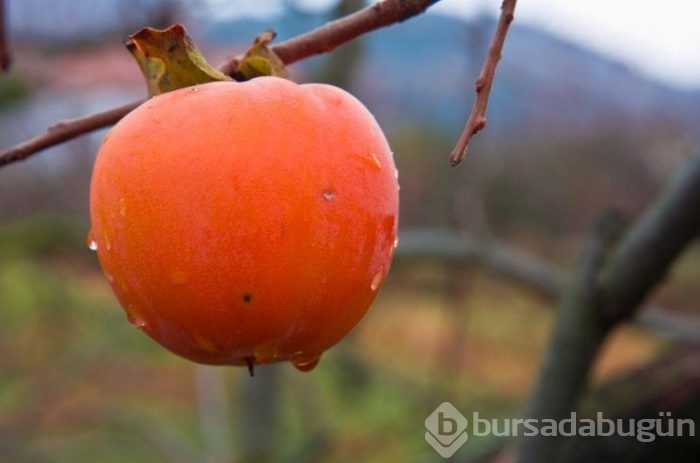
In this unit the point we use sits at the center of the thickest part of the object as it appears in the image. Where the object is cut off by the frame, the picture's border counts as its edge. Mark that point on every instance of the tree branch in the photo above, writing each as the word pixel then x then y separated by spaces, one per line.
pixel 335 33
pixel 603 297
pixel 575 341
pixel 501 258
pixel 319 40
pixel 666 323
pixel 5 58
pixel 646 255
pixel 545 278
pixel 477 118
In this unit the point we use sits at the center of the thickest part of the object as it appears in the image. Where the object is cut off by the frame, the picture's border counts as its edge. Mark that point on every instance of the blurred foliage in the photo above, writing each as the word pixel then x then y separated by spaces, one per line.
pixel 418 152
pixel 41 236
pixel 13 89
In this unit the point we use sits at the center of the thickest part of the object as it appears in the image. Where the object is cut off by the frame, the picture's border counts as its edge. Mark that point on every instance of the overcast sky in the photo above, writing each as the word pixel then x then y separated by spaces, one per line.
pixel 660 38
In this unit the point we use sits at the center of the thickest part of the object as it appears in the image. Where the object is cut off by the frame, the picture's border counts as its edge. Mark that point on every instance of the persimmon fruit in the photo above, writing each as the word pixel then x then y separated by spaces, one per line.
pixel 246 223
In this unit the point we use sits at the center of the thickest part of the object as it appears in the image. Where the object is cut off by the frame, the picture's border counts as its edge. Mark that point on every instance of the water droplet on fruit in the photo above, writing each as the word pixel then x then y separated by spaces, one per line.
pixel 265 354
pixel 306 362
pixel 122 207
pixel 90 242
pixel 374 160
pixel 396 173
pixel 203 343
pixel 377 281
pixel 108 243
pixel 134 317
pixel 396 242
pixel 329 194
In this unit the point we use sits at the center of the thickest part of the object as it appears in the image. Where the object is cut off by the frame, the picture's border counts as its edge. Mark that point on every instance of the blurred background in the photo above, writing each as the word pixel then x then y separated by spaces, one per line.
pixel 583 118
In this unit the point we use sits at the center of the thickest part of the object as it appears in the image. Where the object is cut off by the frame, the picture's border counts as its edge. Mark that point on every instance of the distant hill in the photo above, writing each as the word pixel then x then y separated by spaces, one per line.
pixel 423 70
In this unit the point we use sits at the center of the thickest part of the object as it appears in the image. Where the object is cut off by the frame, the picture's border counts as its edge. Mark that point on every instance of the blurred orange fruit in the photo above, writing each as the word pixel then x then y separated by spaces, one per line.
pixel 246 223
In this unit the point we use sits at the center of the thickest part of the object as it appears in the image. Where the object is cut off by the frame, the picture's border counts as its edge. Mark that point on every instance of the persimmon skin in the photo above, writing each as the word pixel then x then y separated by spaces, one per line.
pixel 245 223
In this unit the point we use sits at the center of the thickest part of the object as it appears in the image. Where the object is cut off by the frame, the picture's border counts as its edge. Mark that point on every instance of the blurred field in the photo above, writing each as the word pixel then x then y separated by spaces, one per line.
pixel 79 383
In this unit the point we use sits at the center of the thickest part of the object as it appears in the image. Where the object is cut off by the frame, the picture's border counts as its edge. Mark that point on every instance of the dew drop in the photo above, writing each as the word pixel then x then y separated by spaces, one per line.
pixel 122 207
pixel 377 281
pixel 396 242
pixel 134 317
pixel 90 242
pixel 374 160
pixel 108 243
pixel 329 194
pixel 396 173
pixel 265 354
pixel 306 362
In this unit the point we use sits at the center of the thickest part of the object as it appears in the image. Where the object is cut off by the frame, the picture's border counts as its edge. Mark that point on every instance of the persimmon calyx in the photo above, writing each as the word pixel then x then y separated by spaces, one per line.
pixel 170 60
pixel 260 60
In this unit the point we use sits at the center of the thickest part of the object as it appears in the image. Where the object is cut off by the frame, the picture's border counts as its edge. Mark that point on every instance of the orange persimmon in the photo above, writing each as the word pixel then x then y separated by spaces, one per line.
pixel 246 223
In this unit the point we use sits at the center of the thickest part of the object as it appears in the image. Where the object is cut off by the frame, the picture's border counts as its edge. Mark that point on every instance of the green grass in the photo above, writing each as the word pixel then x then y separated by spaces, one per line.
pixel 12 90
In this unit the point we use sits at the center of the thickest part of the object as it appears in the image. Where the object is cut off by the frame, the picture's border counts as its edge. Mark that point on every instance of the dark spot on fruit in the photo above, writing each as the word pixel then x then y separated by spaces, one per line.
pixel 247 298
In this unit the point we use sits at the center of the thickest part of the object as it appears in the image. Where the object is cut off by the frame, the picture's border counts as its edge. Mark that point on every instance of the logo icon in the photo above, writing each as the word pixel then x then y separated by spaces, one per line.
pixel 446 430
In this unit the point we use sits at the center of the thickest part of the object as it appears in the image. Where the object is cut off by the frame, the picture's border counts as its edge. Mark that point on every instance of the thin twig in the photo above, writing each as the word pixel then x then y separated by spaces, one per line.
pixel 325 38
pixel 335 33
pixel 5 58
pixel 477 118
pixel 319 40
pixel 65 130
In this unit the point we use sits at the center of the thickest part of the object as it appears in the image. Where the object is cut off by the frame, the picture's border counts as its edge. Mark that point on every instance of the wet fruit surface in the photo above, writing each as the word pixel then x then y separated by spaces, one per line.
pixel 240 221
